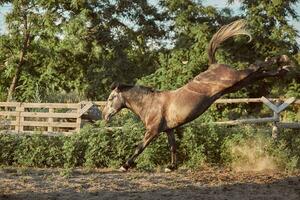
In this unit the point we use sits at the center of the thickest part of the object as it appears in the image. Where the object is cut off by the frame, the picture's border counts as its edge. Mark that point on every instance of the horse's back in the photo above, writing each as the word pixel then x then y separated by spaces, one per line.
pixel 191 100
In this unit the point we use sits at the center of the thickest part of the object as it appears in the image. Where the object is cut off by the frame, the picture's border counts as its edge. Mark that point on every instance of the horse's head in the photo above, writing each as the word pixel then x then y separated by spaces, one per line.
pixel 114 103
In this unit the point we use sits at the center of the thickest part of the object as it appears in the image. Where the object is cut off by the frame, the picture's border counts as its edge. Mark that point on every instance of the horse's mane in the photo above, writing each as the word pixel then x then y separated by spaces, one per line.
pixel 132 88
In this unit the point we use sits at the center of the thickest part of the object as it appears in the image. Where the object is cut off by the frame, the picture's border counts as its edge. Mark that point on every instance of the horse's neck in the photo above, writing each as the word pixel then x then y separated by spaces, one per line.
pixel 137 103
pixel 134 108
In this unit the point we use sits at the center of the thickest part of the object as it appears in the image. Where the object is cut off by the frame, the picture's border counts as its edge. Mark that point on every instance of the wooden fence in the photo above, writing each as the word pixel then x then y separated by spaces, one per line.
pixel 276 105
pixel 66 118
pixel 45 117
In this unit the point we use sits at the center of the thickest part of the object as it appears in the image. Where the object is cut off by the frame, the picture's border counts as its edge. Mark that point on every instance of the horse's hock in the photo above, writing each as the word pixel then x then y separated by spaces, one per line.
pixel 50 118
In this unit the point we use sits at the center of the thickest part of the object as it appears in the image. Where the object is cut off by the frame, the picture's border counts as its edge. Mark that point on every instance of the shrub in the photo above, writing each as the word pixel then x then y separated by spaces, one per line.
pixel 8 143
pixel 39 151
pixel 199 142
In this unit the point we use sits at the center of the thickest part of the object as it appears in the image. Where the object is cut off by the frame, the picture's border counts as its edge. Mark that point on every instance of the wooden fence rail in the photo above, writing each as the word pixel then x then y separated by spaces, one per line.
pixel 44 117
pixel 229 101
pixel 275 104
pixel 67 118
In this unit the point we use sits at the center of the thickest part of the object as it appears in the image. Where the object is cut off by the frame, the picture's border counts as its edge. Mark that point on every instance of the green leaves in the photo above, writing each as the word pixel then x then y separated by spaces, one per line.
pixel 82 46
pixel 198 143
pixel 83 42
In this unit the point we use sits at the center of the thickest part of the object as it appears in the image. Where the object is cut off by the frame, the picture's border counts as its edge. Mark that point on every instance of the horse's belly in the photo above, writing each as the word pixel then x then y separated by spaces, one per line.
pixel 184 110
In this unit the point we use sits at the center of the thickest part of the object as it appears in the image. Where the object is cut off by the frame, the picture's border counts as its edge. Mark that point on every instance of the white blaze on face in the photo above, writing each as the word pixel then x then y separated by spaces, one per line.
pixel 109 109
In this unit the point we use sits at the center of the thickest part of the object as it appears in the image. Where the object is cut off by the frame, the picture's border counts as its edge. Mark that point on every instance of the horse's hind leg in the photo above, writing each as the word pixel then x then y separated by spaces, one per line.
pixel 149 136
pixel 172 143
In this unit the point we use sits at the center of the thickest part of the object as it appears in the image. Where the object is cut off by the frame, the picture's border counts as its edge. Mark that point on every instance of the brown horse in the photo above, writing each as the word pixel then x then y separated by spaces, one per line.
pixel 163 111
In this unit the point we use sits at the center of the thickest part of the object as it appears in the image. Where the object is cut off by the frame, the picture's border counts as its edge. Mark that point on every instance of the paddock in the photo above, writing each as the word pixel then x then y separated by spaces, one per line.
pixel 207 183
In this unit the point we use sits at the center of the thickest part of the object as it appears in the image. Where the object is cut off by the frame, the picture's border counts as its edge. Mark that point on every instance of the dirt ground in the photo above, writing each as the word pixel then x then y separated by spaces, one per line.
pixel 208 183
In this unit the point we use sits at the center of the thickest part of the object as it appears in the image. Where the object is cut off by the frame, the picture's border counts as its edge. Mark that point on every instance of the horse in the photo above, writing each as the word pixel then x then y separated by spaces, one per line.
pixel 164 111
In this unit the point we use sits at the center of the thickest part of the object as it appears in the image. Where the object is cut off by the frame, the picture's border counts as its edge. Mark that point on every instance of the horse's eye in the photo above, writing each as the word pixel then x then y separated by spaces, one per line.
pixel 111 98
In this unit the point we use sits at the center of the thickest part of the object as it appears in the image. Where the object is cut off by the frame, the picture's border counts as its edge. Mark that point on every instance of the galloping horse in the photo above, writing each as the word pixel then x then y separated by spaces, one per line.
pixel 163 111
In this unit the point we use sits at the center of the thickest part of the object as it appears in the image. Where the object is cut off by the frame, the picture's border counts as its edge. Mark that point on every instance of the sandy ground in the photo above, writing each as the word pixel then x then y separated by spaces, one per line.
pixel 208 183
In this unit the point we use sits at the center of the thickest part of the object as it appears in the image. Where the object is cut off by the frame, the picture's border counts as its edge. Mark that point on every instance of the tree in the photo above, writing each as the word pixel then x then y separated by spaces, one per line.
pixel 192 26
pixel 19 27
pixel 79 46
pixel 272 35
pixel 24 48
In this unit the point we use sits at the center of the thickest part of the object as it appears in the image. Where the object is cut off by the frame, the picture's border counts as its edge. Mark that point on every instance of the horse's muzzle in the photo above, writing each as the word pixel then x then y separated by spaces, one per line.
pixel 107 117
pixel 107 114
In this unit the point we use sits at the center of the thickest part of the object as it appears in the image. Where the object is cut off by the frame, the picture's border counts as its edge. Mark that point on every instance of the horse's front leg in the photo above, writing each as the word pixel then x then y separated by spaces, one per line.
pixel 149 136
pixel 173 149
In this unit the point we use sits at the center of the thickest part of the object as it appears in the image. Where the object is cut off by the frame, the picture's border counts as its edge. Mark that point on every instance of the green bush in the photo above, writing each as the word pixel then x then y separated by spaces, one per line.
pixel 38 150
pixel 74 148
pixel 199 142
pixel 8 144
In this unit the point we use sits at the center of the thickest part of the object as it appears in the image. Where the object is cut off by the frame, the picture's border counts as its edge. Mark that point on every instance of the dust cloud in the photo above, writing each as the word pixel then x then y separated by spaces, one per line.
pixel 252 156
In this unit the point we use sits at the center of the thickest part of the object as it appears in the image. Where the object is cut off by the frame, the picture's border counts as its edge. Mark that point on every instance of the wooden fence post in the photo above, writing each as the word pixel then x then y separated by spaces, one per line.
pixel 277 108
pixel 275 128
pixel 78 119
pixel 19 119
pixel 50 120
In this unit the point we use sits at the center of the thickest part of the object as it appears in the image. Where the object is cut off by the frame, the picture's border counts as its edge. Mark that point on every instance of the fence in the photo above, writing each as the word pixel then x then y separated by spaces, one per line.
pixel 67 118
pixel 276 105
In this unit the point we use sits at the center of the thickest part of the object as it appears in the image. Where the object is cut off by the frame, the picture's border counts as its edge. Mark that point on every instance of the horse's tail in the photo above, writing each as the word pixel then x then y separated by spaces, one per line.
pixel 225 32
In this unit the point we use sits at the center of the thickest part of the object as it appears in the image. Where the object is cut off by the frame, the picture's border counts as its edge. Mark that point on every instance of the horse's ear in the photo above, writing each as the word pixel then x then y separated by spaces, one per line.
pixel 114 85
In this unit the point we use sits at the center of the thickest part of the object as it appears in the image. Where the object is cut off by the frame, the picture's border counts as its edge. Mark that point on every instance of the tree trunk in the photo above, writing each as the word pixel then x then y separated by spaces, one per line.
pixel 13 84
pixel 16 77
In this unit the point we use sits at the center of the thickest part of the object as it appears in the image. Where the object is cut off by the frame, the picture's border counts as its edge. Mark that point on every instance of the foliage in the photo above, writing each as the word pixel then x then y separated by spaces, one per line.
pixel 80 47
pixel 198 143
pixel 67 51
pixel 272 35
pixel 8 144
pixel 193 25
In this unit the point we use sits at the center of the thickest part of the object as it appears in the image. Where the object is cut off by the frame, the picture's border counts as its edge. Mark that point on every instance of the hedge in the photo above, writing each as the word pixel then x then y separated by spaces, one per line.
pixel 97 147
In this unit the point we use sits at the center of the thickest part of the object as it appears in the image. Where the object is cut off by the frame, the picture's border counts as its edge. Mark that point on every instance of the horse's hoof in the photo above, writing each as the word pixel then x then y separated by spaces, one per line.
pixel 123 169
pixel 168 170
